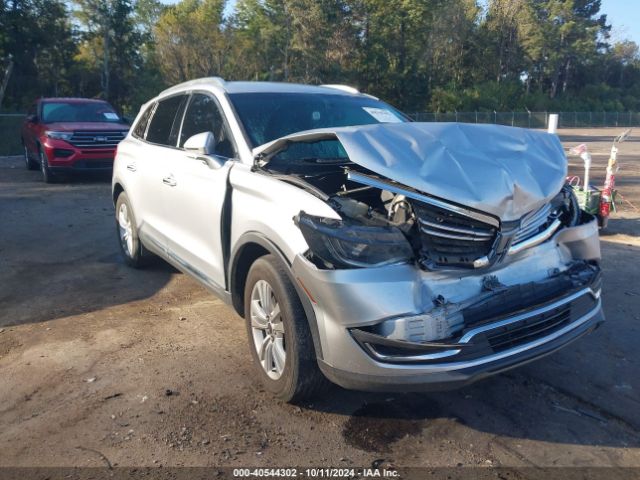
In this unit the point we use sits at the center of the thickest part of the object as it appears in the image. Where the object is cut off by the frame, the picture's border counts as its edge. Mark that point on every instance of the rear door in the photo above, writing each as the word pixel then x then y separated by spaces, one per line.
pixel 194 204
pixel 147 167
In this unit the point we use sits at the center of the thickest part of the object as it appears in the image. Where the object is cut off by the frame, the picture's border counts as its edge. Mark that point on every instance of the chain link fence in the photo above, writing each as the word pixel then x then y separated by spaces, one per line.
pixel 10 123
pixel 535 119
pixel 10 126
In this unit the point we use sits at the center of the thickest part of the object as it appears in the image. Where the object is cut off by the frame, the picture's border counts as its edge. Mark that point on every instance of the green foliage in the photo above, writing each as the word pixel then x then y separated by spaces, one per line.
pixel 37 36
pixel 440 55
pixel 190 40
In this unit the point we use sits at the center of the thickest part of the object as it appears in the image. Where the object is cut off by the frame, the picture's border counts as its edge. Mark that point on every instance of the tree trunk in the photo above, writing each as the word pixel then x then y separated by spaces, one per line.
pixel 567 69
pixel 554 83
pixel 105 65
pixel 5 80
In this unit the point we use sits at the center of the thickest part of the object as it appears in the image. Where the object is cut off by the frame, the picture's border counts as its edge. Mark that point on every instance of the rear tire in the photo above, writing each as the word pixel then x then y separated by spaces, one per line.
pixel 131 248
pixel 279 336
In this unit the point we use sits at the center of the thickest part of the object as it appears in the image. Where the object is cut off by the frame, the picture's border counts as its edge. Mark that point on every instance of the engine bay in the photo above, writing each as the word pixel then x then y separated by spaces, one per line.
pixel 375 211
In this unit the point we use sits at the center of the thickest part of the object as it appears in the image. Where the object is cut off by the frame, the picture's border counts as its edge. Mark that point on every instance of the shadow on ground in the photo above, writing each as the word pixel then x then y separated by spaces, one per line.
pixel 59 253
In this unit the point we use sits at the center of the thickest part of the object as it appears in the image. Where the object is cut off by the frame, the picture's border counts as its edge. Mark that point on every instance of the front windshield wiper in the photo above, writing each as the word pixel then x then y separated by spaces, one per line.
pixel 324 160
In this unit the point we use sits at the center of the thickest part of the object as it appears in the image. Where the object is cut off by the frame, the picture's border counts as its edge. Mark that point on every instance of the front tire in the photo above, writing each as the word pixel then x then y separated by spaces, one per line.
pixel 47 175
pixel 279 335
pixel 131 247
pixel 30 164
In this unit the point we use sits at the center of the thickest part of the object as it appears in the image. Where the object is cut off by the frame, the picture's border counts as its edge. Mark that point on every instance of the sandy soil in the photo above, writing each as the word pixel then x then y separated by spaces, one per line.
pixel 103 365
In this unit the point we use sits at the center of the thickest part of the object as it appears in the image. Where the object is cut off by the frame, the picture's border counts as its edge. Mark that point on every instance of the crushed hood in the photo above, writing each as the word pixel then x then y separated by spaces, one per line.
pixel 504 171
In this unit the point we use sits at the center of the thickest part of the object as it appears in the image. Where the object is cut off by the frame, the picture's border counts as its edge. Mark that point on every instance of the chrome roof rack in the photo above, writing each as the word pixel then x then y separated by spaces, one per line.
pixel 217 81
pixel 344 88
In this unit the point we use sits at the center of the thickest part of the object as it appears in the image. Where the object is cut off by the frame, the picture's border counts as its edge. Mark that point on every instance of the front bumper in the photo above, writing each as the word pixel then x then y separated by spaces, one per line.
pixel 66 158
pixel 455 375
pixel 351 301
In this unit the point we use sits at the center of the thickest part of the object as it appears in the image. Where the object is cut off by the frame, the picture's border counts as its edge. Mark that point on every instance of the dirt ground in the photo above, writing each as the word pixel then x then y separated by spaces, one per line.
pixel 104 365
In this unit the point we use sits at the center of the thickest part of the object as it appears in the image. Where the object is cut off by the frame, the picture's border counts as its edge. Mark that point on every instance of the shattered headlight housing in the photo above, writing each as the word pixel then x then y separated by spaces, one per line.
pixel 349 245
pixel 565 206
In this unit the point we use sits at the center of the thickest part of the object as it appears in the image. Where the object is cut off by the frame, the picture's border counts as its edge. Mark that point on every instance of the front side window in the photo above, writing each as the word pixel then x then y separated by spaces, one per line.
pixel 166 121
pixel 90 112
pixel 203 115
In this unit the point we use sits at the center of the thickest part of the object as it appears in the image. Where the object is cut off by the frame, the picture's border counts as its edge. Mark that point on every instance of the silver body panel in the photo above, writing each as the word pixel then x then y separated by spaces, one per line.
pixel 506 175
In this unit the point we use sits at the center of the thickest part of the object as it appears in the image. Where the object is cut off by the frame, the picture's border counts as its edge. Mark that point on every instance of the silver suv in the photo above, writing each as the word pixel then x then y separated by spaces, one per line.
pixel 360 247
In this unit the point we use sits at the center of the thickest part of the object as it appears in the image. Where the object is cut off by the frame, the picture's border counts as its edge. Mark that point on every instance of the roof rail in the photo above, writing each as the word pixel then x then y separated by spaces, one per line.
pixel 344 88
pixel 217 81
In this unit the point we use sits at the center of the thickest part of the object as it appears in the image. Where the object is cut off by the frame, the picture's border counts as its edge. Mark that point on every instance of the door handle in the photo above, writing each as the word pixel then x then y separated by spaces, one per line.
pixel 170 180
pixel 132 167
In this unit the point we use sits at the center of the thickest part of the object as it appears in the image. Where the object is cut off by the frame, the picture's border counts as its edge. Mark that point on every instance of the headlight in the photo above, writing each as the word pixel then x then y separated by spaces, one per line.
pixel 59 135
pixel 346 245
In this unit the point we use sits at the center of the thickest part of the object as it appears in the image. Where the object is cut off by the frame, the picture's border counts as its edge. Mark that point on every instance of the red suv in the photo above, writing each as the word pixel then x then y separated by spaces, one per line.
pixel 63 135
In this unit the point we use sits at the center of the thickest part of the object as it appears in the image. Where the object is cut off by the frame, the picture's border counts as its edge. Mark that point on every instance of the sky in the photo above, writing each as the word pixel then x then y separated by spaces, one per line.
pixel 624 15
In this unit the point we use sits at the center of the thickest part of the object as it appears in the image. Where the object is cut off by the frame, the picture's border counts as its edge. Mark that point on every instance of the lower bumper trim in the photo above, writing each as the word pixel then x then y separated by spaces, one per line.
pixel 455 375
pixel 99 168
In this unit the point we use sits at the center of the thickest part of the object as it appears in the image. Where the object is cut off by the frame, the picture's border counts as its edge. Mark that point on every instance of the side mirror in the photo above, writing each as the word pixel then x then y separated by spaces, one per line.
pixel 203 143
pixel 32 118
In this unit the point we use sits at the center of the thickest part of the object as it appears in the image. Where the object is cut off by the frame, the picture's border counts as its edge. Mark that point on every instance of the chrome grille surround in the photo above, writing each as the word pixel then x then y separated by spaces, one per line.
pixel 451 239
pixel 533 223
pixel 455 236
pixel 97 138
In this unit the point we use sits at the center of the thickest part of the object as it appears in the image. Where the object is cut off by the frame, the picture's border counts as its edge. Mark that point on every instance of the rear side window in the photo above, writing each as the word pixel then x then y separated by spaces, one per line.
pixel 166 121
pixel 203 115
pixel 141 126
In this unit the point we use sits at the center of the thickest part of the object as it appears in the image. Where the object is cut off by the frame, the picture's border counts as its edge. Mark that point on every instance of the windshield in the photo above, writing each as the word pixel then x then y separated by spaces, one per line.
pixel 268 116
pixel 79 112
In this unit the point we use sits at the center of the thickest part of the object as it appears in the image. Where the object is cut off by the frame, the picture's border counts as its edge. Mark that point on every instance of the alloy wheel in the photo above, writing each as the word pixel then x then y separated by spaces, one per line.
pixel 43 164
pixel 125 229
pixel 268 329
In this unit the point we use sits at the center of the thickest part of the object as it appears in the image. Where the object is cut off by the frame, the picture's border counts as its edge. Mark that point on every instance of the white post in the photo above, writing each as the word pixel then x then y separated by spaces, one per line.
pixel 553 123
pixel 586 157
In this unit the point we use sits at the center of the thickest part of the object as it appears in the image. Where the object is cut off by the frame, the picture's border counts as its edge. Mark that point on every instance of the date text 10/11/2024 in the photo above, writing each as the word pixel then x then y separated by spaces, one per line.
pixel 315 473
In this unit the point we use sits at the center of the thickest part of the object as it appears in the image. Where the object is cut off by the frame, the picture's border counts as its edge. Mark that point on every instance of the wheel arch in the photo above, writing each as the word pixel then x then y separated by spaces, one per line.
pixel 250 247
pixel 117 190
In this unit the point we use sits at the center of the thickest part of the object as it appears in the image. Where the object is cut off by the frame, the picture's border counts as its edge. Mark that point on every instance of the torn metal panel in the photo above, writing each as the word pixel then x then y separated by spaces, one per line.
pixel 505 171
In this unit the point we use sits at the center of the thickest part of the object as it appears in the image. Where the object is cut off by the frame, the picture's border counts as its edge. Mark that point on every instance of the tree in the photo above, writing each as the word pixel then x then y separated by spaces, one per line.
pixel 500 40
pixel 37 36
pixel 109 48
pixel 190 40
pixel 416 54
pixel 556 36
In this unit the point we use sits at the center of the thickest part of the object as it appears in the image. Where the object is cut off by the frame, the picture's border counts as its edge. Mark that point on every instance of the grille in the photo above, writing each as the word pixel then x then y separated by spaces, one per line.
pixel 97 139
pixel 532 224
pixel 529 329
pixel 451 239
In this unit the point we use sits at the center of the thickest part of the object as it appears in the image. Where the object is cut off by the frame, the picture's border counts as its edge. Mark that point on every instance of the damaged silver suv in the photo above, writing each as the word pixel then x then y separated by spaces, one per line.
pixel 359 246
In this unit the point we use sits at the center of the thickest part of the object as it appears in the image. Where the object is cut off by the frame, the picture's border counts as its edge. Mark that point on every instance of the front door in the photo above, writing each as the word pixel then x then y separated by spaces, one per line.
pixel 194 205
